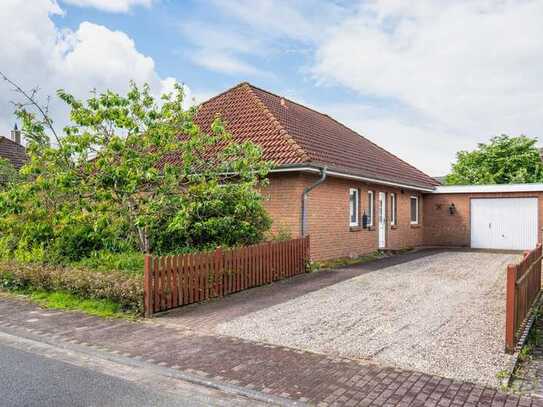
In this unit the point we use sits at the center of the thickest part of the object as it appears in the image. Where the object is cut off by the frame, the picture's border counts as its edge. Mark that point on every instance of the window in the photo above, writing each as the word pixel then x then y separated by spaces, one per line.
pixel 393 211
pixel 353 207
pixel 370 208
pixel 414 209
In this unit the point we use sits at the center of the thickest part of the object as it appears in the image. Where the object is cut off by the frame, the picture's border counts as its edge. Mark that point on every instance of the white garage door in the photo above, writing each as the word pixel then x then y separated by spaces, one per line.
pixel 504 223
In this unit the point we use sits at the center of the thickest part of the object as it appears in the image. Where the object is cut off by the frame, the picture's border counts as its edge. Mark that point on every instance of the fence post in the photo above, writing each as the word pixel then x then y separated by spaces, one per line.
pixel 219 272
pixel 510 308
pixel 148 288
pixel 308 251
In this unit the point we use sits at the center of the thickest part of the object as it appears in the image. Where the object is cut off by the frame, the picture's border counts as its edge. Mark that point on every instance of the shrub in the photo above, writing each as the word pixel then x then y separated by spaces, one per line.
pixel 115 286
pixel 104 261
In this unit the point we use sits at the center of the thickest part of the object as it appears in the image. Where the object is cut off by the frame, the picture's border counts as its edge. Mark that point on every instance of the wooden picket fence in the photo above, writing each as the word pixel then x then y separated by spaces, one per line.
pixel 173 281
pixel 523 288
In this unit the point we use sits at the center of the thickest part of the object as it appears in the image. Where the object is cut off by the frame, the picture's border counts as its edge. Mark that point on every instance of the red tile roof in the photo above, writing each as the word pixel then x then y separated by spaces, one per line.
pixel 292 134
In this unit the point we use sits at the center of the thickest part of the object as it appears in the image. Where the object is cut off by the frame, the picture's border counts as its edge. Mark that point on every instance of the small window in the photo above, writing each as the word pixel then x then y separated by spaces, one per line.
pixel 393 210
pixel 414 209
pixel 370 208
pixel 353 207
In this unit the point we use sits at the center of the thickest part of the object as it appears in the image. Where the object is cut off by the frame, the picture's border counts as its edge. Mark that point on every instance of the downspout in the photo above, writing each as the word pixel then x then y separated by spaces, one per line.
pixel 305 194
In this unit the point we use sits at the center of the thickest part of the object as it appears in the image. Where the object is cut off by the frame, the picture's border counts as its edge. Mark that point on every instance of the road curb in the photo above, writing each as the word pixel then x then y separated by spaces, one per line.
pixel 52 340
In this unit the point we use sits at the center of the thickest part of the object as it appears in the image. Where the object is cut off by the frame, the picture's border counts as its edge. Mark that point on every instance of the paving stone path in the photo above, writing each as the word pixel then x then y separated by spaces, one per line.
pixel 303 377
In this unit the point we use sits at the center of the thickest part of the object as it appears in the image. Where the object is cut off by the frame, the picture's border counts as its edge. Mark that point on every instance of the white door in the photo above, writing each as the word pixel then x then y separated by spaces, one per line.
pixel 382 219
pixel 504 223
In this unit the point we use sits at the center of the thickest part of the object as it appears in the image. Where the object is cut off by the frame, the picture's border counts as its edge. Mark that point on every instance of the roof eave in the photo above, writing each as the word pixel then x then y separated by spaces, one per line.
pixel 341 174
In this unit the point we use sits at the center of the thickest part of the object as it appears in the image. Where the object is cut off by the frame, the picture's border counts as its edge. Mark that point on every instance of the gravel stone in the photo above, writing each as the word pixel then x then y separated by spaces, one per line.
pixel 443 314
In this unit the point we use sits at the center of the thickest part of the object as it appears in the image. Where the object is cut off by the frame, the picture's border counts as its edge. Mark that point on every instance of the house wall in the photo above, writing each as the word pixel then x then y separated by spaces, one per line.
pixel 328 215
pixel 282 202
pixel 443 229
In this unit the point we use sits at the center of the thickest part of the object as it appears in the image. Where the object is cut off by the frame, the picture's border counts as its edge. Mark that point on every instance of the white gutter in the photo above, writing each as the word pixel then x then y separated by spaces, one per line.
pixel 350 176
pixel 464 189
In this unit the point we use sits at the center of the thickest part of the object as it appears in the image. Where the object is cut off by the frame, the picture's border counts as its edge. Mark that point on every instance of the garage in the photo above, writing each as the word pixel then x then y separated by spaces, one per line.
pixel 496 217
pixel 504 223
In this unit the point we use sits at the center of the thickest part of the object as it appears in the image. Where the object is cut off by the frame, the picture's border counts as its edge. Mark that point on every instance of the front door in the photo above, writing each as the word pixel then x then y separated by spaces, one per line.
pixel 382 219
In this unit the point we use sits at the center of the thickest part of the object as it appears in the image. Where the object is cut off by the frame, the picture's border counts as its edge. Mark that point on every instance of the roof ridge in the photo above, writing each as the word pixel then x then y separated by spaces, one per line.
pixel 341 124
pixel 223 93
pixel 299 150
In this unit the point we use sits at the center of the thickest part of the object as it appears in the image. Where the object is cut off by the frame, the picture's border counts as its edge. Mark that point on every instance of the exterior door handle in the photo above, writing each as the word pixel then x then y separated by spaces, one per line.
pixel 490 225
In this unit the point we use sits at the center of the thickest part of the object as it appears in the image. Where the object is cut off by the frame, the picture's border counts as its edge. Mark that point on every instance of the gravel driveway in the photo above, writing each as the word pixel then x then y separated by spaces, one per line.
pixel 440 314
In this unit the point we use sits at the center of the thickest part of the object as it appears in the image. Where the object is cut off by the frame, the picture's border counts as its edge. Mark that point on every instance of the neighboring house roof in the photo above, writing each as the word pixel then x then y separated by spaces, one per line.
pixel 291 135
pixel 12 151
pixel 441 179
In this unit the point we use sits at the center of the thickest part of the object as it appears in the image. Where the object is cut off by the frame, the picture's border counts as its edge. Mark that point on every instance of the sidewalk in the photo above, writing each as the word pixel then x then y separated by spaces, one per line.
pixel 302 377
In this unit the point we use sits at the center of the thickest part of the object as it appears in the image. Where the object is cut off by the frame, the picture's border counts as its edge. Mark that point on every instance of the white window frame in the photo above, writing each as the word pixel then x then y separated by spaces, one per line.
pixel 393 210
pixel 356 193
pixel 371 208
pixel 416 221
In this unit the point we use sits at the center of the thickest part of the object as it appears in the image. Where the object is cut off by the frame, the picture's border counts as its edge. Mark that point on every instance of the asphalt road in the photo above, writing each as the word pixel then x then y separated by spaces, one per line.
pixel 36 371
pixel 27 379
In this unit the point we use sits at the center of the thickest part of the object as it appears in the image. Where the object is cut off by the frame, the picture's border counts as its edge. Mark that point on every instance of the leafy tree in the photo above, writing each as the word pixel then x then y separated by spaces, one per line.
pixel 131 172
pixel 8 174
pixel 504 160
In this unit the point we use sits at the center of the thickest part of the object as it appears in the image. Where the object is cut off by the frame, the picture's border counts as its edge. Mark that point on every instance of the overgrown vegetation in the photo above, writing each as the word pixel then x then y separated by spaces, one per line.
pixel 128 175
pixel 535 339
pixel 345 261
pixel 504 160
pixel 124 290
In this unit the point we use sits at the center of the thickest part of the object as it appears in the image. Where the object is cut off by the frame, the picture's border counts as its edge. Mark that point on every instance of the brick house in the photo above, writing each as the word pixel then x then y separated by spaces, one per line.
pixel 12 150
pixel 327 179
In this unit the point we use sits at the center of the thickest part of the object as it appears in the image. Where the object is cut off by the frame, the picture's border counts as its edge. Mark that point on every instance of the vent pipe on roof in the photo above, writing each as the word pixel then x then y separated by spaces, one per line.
pixel 16 134
pixel 305 194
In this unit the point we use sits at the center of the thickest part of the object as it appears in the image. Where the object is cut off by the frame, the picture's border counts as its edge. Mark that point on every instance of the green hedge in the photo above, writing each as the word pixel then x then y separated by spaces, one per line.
pixel 116 286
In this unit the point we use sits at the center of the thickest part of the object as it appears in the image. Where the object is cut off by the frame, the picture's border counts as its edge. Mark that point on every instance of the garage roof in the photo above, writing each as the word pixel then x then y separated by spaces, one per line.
pixel 497 188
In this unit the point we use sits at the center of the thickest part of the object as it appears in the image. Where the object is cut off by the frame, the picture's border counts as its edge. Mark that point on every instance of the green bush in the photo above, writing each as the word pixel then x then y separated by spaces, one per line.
pixel 118 287
pixel 104 261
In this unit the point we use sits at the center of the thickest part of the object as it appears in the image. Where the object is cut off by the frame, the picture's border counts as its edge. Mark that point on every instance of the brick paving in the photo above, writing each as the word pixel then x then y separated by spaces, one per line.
pixel 305 377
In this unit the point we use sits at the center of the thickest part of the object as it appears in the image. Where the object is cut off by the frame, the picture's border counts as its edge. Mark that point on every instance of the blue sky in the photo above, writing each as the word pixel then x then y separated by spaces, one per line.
pixel 172 32
pixel 406 75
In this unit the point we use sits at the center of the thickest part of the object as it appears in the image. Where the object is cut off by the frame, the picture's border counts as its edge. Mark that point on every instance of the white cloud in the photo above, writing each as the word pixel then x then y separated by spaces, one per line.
pixel 259 31
pixel 469 70
pixel 225 62
pixel 113 6
pixel 222 49
pixel 303 20
pixel 36 52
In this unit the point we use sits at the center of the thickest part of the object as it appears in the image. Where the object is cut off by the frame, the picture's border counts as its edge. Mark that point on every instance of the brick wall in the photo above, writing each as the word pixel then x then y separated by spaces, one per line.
pixel 443 229
pixel 282 201
pixel 328 215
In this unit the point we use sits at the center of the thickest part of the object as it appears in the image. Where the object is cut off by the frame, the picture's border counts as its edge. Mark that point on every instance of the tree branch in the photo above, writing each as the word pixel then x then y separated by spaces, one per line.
pixel 32 101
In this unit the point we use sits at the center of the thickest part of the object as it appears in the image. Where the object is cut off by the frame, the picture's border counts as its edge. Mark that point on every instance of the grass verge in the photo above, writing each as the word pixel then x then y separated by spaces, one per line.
pixel 65 301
